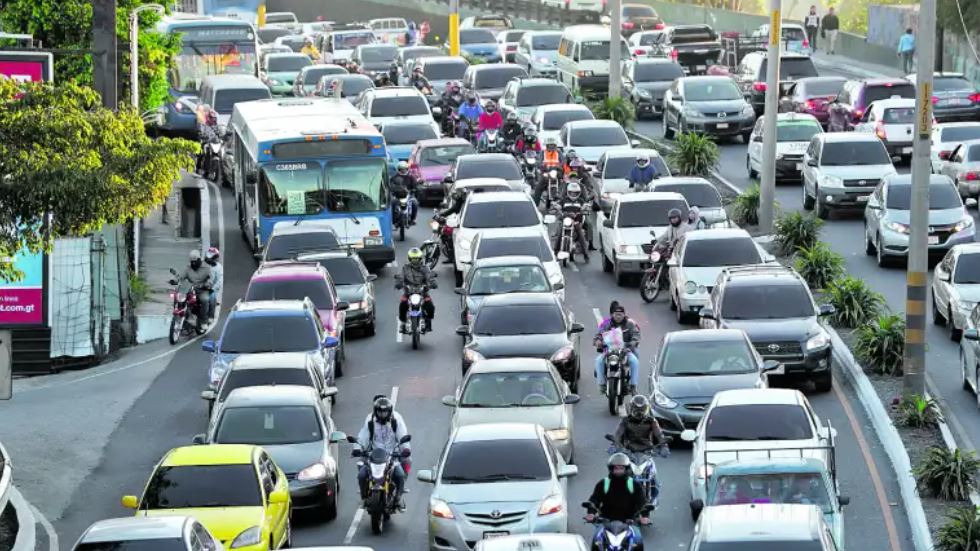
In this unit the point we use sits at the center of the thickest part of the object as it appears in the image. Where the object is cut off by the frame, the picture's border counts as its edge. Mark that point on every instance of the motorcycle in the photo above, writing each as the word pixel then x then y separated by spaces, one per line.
pixel 644 469
pixel 572 217
pixel 615 535
pixel 416 296
pixel 185 305
pixel 616 364
pixel 468 130
pixel 381 501
pixel 210 158
pixel 490 141
pixel 655 278
pixel 440 243
pixel 529 165
pixel 400 217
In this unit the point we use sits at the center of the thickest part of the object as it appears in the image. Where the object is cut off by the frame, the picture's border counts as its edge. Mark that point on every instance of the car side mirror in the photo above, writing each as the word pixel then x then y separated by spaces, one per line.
pixel 576 328
pixel 463 331
pixel 331 342
pixel 689 435
pixel 607 223
pixel 341 305
pixel 672 262
pixel 371 277
pixel 337 436
pixel 329 391
pixel 844 500
pixel 426 475
pixel 200 439
pixel 130 502
pixel 943 276
pixel 770 365
pixel 279 496
pixel 448 179
pixel 970 203
pixel 567 471
pixel 971 334
pixel 635 143
pixel 207 346
pixel 757 138
pixel 707 313
pixel 460 291
pixel 557 286
pixel 827 309
pixel 572 399
pixel 449 400
pixel 944 155
pixel 811 162
pixel 209 395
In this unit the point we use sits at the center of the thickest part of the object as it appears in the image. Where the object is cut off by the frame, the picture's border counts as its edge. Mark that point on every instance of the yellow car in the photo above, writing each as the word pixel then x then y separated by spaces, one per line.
pixel 236 491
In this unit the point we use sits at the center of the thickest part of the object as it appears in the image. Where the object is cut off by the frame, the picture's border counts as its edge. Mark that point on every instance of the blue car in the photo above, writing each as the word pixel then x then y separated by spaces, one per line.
pixel 401 136
pixel 271 326
pixel 479 43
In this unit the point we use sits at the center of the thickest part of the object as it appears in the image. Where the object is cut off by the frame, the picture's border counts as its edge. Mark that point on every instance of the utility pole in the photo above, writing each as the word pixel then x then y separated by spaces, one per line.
pixel 914 364
pixel 767 190
pixel 104 64
pixel 453 27
pixel 615 51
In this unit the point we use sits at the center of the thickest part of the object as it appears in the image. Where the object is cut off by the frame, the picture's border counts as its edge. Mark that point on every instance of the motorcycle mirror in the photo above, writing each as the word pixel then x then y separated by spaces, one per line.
pixel 199 439
pixel 351 439
pixel 610 438
pixel 207 346
pixel 653 233
pixel 405 439
pixel 173 271
pixel 588 505
pixel 356 453
pixel 172 282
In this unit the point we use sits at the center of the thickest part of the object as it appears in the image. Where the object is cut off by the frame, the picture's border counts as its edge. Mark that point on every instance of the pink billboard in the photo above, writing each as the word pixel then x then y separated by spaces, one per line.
pixel 26 66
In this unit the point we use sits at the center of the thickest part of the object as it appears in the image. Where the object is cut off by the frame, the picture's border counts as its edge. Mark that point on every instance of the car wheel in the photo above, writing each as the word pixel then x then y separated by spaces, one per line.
pixel 607 266
pixel 682 127
pixel 869 246
pixel 880 256
pixel 748 168
pixel 937 317
pixel 668 133
pixel 459 278
pixel 673 304
pixel 824 382
pixel 966 379
pixel 338 364
pixel 977 374
pixel 807 200
pixel 330 507
pixel 746 137
pixel 369 329
pixel 822 212
pixel 954 334
pixel 618 274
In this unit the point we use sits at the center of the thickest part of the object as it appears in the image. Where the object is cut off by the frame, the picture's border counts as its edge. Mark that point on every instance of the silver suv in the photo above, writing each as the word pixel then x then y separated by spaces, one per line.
pixel 841 169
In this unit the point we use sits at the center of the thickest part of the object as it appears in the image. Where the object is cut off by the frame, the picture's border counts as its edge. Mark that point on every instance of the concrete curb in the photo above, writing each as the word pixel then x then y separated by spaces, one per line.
pixel 890 441
pixel 951 444
pixel 26 539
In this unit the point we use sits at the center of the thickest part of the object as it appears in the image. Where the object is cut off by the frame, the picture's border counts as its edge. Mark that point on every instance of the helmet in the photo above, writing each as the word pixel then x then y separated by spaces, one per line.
pixel 402 167
pixel 571 154
pixel 576 162
pixel 491 106
pixel 212 254
pixel 471 97
pixel 573 190
pixel 618 459
pixel 639 407
pixel 211 117
pixel 453 86
pixel 415 256
pixel 416 70
pixel 642 160
pixel 195 255
pixel 512 117
pixel 674 213
pixel 551 142
pixel 308 41
pixel 383 409
pixel 531 138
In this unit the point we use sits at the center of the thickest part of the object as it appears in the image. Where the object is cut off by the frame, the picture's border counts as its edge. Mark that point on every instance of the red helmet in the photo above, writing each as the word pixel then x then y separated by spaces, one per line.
pixel 211 118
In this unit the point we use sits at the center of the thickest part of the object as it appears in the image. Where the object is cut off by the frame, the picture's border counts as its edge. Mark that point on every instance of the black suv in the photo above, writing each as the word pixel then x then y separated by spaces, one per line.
pixel 773 305
pixel 751 75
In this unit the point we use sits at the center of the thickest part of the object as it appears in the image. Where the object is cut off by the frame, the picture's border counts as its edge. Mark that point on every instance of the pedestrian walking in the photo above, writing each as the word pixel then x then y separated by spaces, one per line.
pixel 812 24
pixel 906 50
pixel 828 30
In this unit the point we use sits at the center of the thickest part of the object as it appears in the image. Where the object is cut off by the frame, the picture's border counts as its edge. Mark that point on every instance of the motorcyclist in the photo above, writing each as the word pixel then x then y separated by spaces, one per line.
pixel 393 73
pixel 527 141
pixel 383 428
pixel 211 257
pixel 198 274
pixel 631 338
pixel 570 156
pixel 512 129
pixel 572 204
pixel 418 81
pixel 404 185
pixel 490 119
pixel 643 173
pixel 618 497
pixel 309 49
pixel 694 220
pixel 676 229
pixel 639 431
pixel 549 159
pixel 382 80
pixel 451 100
pixel 456 202
pixel 416 274
pixel 207 130
pixel 471 110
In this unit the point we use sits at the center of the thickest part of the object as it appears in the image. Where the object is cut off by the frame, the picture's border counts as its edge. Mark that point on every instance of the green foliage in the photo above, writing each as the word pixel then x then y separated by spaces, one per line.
pixel 614 109
pixel 881 344
pixel 948 474
pixel 694 154
pixel 139 289
pixel 961 531
pixel 63 154
pixel 797 231
pixel 918 412
pixel 948 16
pixel 472 59
pixel 745 211
pixel 856 304
pixel 819 265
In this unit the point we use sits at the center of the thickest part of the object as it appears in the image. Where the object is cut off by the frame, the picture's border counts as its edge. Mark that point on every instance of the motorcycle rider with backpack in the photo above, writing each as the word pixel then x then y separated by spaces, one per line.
pixel 416 274
pixel 384 428
pixel 631 337
pixel 618 498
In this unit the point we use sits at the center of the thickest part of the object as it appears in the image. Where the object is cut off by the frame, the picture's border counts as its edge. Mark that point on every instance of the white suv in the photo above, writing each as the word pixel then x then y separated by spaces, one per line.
pixel 381 105
pixel 841 169
pixel 626 235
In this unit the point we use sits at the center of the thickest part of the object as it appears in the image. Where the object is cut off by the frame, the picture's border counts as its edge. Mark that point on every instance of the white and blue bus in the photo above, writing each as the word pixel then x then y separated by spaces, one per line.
pixel 312 159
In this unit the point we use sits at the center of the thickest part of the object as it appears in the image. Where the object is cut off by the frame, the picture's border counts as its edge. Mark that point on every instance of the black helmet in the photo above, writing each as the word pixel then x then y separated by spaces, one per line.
pixel 674 213
pixel 512 116
pixel 615 306
pixel 639 407
pixel 618 459
pixel 383 409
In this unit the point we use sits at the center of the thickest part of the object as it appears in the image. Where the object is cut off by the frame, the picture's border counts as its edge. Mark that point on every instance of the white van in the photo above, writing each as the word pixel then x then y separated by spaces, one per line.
pixel 390 30
pixel 583 58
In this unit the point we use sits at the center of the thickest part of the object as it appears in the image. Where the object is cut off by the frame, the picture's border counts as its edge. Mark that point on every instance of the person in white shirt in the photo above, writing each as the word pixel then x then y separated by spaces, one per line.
pixel 812 24
pixel 217 278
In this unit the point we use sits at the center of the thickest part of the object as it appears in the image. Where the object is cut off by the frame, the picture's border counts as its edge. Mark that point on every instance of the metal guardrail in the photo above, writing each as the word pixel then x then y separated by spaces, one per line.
pixel 6 478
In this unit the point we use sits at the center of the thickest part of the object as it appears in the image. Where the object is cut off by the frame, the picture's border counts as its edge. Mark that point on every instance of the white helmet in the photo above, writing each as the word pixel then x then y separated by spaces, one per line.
pixel 573 190
pixel 195 255
pixel 402 166
pixel 642 160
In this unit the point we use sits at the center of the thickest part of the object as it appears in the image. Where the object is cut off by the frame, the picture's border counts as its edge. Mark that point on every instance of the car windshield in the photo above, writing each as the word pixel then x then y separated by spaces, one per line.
pixel 598 136
pixel 797 132
pixel 349 41
pixel 408 134
pixel 767 545
pixel 506 214
pixel 792 488
pixel 543 95
pixel 848 153
pixel 444 155
pixel 598 50
pixel 973 154
pixel 951 84
pixel 497 77
pixel 312 76
pixel 762 301
pixel 286 63
pixel 508 279
pixel 156 544
pixel 350 87
pixel 225 100
pixel 316 290
pixel 695 358
pixel 689 35
pixel 522 319
pixel 941 197
pixel 445 70
pixel 554 120
pixel 875 93
pixel 289 246
pixel 967 269
pixel 899 115
pixel 488 22
pixel 505 169
pixel 641 214
pixel 378 54
pixel 268 35
pixel 502 390
pixel 515 246
pixel 703 196
pixel 255 334
pixel 758 422
pixel 242 378
pixel 617 168
pixel 476 36
pixel 203 486
pixel 652 72
pixel 343 271
pixel 403 106
pixel 649 39
pixel 716 90
pixel 543 42
pixel 268 426
pixel 705 253
pixel 823 87
pixel 486 461
pixel 638 11
pixel 960 133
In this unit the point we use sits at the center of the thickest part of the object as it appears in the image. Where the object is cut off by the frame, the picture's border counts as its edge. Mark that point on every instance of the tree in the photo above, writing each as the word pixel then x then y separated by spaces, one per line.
pixel 62 154
pixel 67 24
pixel 948 15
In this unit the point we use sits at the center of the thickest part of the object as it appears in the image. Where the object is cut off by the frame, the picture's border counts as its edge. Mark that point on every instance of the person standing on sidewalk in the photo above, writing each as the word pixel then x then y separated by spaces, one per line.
pixel 828 29
pixel 906 50
pixel 812 23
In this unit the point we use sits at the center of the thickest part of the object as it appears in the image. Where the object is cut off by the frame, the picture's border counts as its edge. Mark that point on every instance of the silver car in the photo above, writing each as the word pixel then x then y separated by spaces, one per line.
pixel 956 288
pixel 590 139
pixel 495 480
pixel 512 390
pixel 178 532
pixel 840 170
pixel 886 218
pixel 963 167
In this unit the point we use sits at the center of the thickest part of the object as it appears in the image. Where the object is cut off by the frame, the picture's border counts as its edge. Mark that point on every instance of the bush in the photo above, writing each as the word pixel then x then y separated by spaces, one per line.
pixel 855 303
pixel 139 289
pixel 614 109
pixel 694 155
pixel 745 211
pixel 948 474
pixel 961 531
pixel 472 59
pixel 819 265
pixel 918 412
pixel 882 344
pixel 795 231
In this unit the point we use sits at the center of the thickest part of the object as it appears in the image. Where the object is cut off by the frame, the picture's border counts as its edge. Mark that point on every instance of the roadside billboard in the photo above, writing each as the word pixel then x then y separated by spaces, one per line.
pixel 22 303
pixel 27 66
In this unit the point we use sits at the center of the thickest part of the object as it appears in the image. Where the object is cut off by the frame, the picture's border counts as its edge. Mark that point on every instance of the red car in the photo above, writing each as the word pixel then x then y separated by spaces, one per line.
pixel 812 95
pixel 431 161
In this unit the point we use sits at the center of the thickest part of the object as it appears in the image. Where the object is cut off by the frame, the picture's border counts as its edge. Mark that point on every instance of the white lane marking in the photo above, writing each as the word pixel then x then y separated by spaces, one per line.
pixel 597 314
pixel 48 529
pixel 398 330
pixel 355 523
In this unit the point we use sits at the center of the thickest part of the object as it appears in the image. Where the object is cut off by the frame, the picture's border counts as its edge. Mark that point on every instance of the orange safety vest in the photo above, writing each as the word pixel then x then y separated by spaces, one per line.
pixel 551 158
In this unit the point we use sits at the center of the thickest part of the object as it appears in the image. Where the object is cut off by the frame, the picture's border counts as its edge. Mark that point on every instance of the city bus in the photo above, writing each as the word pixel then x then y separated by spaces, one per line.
pixel 209 46
pixel 303 159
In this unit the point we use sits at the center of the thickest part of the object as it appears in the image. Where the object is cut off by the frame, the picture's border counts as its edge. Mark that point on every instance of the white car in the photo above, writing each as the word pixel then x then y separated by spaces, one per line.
pixel 612 173
pixel 945 138
pixel 698 260
pixel 647 43
pixel 381 105
pixel 756 423
pixel 963 168
pixel 793 134
pixel 892 120
pixel 841 169
pixel 536 542
pixel 956 287
pixel 530 241
pixel 590 139
pixel 626 236
pixel 699 193
pixel 548 119
pixel 174 533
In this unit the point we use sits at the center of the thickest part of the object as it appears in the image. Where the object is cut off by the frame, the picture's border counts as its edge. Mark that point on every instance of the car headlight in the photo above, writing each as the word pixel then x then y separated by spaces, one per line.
pixel 629 249
pixel 898 227
pixel 704 471
pixel 691 288
pixel 558 434
pixel 249 536
pixel 820 340
pixel 465 244
pixel 663 400
pixel 691 112
pixel 832 181
pixel 963 224
pixel 472 356
pixel 544 61
pixel 551 505
pixel 316 471
pixel 217 372
pixel 748 111
pixel 440 508
pixel 563 354
pixel 643 94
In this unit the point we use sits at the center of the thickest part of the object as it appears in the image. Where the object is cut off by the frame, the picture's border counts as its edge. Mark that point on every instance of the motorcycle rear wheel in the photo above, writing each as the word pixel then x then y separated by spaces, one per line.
pixel 612 393
pixel 176 327
pixel 401 232
pixel 377 523
pixel 416 334
pixel 431 252
pixel 650 285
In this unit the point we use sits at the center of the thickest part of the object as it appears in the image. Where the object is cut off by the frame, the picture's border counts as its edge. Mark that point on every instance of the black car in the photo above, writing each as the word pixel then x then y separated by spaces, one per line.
pixel 955 97
pixel 289 241
pixel 751 75
pixel 646 80
pixel 488 165
pixel 695 47
pixel 692 366
pixel 488 80
pixel 639 17
pixel 524 326
pixel 773 305
pixel 374 59
pixel 354 285
pixel 710 105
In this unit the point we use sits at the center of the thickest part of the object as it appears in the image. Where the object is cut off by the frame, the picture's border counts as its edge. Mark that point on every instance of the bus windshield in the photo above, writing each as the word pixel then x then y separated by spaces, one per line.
pixel 197 60
pixel 291 189
pixel 359 185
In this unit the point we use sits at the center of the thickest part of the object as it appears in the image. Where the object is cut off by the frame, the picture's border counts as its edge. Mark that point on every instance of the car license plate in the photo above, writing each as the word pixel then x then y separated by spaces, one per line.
pixel 906 151
pixel 863 198
pixel 699 67
pixel 722 125
pixel 933 239
pixel 957 101
pixel 799 166
pixel 491 535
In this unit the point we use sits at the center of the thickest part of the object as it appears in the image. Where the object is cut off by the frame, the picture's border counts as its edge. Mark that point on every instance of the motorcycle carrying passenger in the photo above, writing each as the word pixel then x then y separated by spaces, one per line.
pixel 631 336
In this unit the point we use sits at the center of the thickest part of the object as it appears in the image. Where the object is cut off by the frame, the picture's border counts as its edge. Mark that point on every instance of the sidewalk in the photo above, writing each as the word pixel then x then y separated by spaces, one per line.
pixel 852 68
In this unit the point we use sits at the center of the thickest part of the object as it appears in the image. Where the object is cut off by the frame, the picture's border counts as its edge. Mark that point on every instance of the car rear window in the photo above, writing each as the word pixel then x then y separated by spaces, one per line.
pixel 763 301
pixel 819 88
pixel 515 246
pixel 288 247
pixel 505 214
pixel 695 358
pixel 268 425
pixel 941 197
pixel 703 196
pixel 506 169
pixel 951 84
pixel 225 100
pixel 444 155
pixel 792 68
pixel 497 77
pixel 638 214
pixel 598 137
pixel 807 488
pixel 545 42
pixel 405 106
pixel 487 22
pixel 378 54
pixel 486 461
pixel 445 70
pixel 758 422
pixel 688 35
pixel 765 545
pixel 313 76
pixel 494 280
pixel 638 11
pixel 899 115
pixel 514 36
pixel 649 39
pixel 960 133
pixel 255 334
pixel 524 319
pixel 269 35
pixel 203 486
pixel 408 134
pixel 885 91
pixel 701 253
pixel 350 86
pixel 793 33
pixel 476 36
pixel 542 95
pixel 497 390
pixel 242 378
pixel 650 72
pixel 316 290
pixel 797 132
pixel 343 271
pixel 287 63
pixel 619 167
pixel 854 153
pixel 554 120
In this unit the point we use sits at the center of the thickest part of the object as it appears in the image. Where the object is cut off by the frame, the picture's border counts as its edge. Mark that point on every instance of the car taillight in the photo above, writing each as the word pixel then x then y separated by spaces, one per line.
pixel 374 233
pixel 637 52
pixel 810 104
pixel 972 176
pixel 673 54
pixel 658 26
pixel 880 131
pixel 857 114
pixel 628 24
pixel 944 155
pixel 935 100
pixel 759 86
pixel 975 98
pixel 512 48
pixel 806 43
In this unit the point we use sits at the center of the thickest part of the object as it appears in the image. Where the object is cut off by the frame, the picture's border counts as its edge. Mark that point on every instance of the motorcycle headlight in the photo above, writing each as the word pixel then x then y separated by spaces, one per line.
pixel 655 257
pixel 472 356
pixel 434 225
pixel 898 227
pixel 567 222
pixel 663 400
pixel 316 471
pixel 181 297
pixel 551 505
pixel 249 536
pixel 963 224
pixel 563 354
pixel 558 434
pixel 629 249
pixel 820 340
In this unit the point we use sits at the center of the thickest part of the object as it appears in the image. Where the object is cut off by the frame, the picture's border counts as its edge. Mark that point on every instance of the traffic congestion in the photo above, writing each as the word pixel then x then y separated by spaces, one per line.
pixel 452 308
